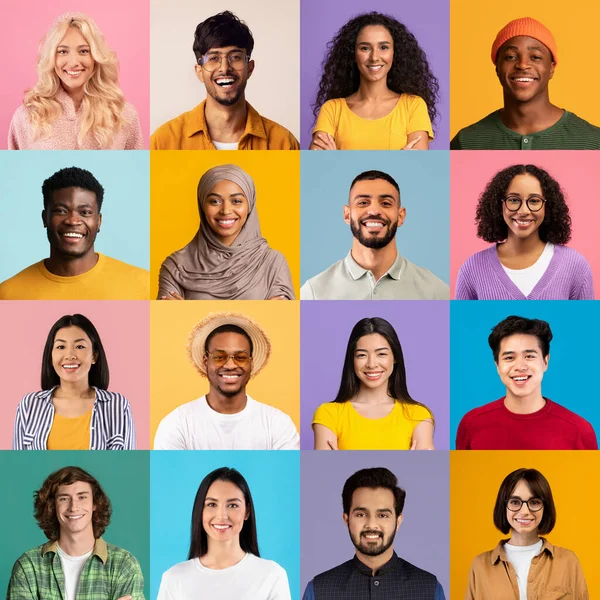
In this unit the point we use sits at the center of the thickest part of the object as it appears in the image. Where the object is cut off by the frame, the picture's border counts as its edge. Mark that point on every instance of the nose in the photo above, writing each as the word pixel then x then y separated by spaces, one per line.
pixel 73 217
pixel 371 361
pixel 230 363
pixel 226 208
pixel 224 61
pixel 522 62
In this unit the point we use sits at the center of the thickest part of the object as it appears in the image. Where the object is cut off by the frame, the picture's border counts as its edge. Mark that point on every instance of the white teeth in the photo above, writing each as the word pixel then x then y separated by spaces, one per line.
pixel 75 517
pixel 520 378
pixel 221 527
pixel 373 224
pixel 230 376
pixel 372 537
pixel 524 79
pixel 73 235
pixel 523 222
pixel 74 72
pixel 373 375
pixel 230 222
pixel 70 366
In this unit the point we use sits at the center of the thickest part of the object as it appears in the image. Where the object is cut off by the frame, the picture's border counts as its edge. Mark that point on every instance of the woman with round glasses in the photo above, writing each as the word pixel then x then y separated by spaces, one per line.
pixel 373 409
pixel 526 565
pixel 523 213
pixel 228 259
pixel 377 91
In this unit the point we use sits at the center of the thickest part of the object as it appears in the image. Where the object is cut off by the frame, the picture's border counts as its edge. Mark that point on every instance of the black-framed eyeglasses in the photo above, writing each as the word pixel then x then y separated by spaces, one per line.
pixel 514 203
pixel 220 357
pixel 533 504
pixel 211 61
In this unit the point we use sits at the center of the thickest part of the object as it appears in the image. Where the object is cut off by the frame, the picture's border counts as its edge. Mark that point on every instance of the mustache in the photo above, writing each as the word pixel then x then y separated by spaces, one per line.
pixel 371 532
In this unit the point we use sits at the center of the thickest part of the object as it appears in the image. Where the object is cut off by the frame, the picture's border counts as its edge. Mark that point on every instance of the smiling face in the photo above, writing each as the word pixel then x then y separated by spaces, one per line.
pixel 372 522
pixel 374 212
pixel 524 67
pixel 75 508
pixel 524 520
pixel 73 64
pixel 521 365
pixel 373 360
pixel 226 210
pixel 72 354
pixel 524 223
pixel 374 53
pixel 224 512
pixel 228 379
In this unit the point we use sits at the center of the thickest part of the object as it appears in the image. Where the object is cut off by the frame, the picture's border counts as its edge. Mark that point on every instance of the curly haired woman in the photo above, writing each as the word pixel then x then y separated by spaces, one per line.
pixel 377 91
pixel 77 102
pixel 523 212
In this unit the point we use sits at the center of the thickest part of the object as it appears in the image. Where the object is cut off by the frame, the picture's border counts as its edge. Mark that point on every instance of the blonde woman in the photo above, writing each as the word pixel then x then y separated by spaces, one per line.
pixel 77 102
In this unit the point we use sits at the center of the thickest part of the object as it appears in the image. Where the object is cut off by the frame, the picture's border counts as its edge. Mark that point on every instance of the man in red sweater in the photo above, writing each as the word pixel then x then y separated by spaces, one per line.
pixel 523 419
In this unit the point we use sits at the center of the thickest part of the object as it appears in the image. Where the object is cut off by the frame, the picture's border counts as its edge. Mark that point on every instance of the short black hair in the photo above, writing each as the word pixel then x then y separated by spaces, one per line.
pixel 376 477
pixel 372 176
pixel 513 325
pixel 72 177
pixel 538 486
pixel 228 328
pixel 220 31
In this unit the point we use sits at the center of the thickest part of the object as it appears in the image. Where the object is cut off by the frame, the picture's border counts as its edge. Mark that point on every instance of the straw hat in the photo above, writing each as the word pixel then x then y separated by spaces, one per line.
pixel 260 342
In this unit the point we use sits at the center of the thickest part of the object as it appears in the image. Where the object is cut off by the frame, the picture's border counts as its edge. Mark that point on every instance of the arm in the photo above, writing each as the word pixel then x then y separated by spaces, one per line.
pixel 422 437
pixel 19 428
pixel 309 592
pixel 128 427
pixel 168 288
pixel 281 589
pixel 464 290
pixel 580 590
pixel 135 140
pixel 455 143
pixel 321 140
pixel 325 439
pixel 281 287
pixel 585 289
pixel 285 435
pixel 418 140
pixel 439 592
pixel 169 435
pixel 306 292
pixel 323 134
pixel 462 436
pixel 471 593
pixel 130 581
pixel 588 437
pixel 19 586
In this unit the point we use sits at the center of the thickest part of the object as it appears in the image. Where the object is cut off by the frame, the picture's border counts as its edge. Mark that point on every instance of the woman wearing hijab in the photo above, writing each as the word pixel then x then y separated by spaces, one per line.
pixel 228 259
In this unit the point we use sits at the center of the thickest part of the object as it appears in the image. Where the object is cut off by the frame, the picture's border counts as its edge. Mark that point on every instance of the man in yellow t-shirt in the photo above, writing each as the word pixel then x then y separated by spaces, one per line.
pixel 72 218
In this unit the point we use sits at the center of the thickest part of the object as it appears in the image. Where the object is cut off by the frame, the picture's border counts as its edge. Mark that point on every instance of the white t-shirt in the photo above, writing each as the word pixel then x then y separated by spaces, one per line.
pixel 72 567
pixel 225 145
pixel 526 279
pixel 196 426
pixel 252 578
pixel 520 558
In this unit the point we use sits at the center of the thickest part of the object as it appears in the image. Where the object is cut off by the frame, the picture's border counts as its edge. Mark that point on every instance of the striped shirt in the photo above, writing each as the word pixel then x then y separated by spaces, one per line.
pixel 111 428
pixel 568 133
pixel 109 573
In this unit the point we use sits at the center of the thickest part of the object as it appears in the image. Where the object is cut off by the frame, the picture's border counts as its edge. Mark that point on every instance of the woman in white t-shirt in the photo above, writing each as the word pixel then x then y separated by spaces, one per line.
pixel 224 562
pixel 526 562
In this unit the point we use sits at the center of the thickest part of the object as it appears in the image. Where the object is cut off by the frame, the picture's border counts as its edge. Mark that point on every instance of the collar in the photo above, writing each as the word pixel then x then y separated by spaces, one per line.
pixel 498 553
pixel 46 395
pixel 100 549
pixel 68 106
pixel 394 564
pixel 197 122
pixel 395 271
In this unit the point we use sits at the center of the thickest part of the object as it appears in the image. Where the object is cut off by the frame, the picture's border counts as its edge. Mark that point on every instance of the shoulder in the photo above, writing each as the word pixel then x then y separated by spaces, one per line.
pixel 329 410
pixel 268 411
pixel 423 274
pixel 129 113
pixel 113 398
pixel 340 570
pixel 472 134
pixel 332 109
pixel 265 566
pixel 418 412
pixel 14 288
pixel 571 256
pixel 181 571
pixel 410 102
pixel 565 556
pixel 482 412
pixel 567 415
pixel 168 136
pixel 321 283
pixel 21 115
pixel 185 411
pixel 482 560
pixel 575 122
pixel 33 555
pixel 121 556
pixel 413 570
pixel 118 266
pixel 479 259
pixel 35 398
pixel 279 138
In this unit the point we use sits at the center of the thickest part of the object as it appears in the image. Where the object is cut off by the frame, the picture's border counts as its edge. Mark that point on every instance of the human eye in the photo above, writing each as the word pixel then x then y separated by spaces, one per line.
pixel 384 516
pixel 384 47
pixel 233 505
pixel 237 201
pixel 85 51
pixel 210 504
pixel 359 514
pixel 514 503
pixel 59 346
pixel 535 503
pixel 214 201
pixel 360 355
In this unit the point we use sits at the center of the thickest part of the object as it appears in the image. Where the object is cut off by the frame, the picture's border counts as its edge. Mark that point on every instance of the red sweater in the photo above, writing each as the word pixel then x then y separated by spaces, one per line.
pixel 494 427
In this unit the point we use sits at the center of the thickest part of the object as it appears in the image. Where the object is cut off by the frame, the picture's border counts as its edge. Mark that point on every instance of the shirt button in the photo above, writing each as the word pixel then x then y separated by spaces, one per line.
pixel 525 141
pixel 376 582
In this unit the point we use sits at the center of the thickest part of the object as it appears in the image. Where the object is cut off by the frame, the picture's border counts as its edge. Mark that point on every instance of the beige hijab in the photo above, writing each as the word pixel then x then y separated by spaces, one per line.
pixel 248 269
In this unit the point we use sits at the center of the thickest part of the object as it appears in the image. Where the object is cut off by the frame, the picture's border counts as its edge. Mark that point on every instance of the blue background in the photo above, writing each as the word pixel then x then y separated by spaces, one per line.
pixel 569 380
pixel 125 178
pixel 274 481
pixel 424 180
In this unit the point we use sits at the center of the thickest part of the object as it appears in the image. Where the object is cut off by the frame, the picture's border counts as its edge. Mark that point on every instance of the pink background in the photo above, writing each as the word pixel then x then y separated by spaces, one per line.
pixel 125 25
pixel 577 172
pixel 123 327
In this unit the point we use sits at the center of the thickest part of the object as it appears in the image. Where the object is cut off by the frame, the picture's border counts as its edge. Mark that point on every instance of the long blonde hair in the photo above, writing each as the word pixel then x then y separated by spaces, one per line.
pixel 103 100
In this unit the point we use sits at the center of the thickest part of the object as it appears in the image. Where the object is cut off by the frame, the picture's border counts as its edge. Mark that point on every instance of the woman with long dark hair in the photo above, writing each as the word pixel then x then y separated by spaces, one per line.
pixel 223 561
pixel 377 91
pixel 74 410
pixel 373 409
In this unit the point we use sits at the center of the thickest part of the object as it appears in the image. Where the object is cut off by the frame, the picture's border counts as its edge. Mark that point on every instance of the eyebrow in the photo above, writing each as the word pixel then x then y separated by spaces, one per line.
pixel 64 205
pixel 219 195
pixel 64 341
pixel 228 499
pixel 64 495
pixel 528 48
pixel 376 349
pixel 379 510
pixel 380 196
pixel 524 351
pixel 80 46
pixel 369 43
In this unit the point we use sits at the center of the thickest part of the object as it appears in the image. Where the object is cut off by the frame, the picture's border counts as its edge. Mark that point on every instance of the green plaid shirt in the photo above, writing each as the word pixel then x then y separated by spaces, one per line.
pixel 109 574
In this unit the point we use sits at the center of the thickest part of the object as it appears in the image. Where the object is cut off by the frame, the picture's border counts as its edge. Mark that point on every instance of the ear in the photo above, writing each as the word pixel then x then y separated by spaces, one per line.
pixel 99 220
pixel 204 361
pixel 401 216
pixel 497 367
pixel 399 522
pixel 94 358
pixel 346 214
pixel 552 70
pixel 345 517
pixel 250 68
pixel 199 72
pixel 546 361
pixel 44 219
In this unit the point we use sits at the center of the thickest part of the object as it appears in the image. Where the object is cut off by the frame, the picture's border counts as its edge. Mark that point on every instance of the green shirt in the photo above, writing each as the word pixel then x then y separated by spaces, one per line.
pixel 568 133
pixel 109 574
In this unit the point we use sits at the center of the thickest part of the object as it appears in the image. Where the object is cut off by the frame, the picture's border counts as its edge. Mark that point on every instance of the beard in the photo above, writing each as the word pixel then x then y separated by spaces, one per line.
pixel 371 548
pixel 374 243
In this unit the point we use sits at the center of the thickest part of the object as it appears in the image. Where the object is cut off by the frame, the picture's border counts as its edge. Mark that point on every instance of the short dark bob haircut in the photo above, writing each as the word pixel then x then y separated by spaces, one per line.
pixel 520 325
pixel 220 31
pixel 248 535
pixel 376 477
pixel 539 487
pixel 491 227
pixel 72 177
pixel 44 501
pixel 373 175
pixel 350 384
pixel 98 376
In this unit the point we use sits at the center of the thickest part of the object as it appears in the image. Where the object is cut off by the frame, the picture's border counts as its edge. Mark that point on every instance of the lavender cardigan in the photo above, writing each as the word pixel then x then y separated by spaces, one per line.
pixel 568 277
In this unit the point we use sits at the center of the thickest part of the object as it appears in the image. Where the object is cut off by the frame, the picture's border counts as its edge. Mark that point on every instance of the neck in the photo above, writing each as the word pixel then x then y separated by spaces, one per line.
pixel 222 555
pixel 523 539
pixel 78 390
pixel 226 405
pixel 375 562
pixel 225 123
pixel 57 265
pixel 524 405
pixel 514 245
pixel 76 96
pixel 377 261
pixel 372 396
pixel 372 90
pixel 528 117
pixel 76 544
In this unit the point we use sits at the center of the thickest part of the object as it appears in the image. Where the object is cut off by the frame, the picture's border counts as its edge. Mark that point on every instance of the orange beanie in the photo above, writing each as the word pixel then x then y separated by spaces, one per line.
pixel 529 27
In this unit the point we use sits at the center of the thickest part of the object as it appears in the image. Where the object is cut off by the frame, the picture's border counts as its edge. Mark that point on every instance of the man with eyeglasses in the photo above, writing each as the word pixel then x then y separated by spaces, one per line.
pixel 224 121
pixel 228 349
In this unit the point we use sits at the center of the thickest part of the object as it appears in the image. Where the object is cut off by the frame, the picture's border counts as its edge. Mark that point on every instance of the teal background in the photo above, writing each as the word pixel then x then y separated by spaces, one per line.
pixel 424 180
pixel 569 380
pixel 125 176
pixel 124 477
pixel 274 481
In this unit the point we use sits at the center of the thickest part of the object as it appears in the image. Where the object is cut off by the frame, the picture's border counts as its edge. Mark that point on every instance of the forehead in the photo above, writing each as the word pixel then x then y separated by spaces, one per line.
pixel 373 34
pixel 224 490
pixel 71 333
pixel 373 498
pixel 524 183
pixel 79 487
pixel 524 42
pixel 224 50
pixel 375 187
pixel 75 196
pixel 519 342
pixel 226 188
pixel 73 37
pixel 229 341
pixel 522 490
pixel 372 341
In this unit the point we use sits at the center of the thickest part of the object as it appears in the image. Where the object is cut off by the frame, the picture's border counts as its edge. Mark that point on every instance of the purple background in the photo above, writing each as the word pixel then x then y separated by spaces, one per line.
pixel 423 537
pixel 428 21
pixel 423 330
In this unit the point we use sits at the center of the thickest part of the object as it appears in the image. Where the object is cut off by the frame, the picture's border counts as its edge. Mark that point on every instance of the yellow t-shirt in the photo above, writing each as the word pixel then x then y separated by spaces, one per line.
pixel 109 279
pixel 355 432
pixel 70 433
pixel 391 132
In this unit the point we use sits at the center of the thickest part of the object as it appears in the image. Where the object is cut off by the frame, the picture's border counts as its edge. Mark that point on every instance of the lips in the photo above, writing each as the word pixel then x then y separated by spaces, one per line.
pixel 373 375
pixel 371 536
pixel 226 223
pixel 70 367
pixel 225 83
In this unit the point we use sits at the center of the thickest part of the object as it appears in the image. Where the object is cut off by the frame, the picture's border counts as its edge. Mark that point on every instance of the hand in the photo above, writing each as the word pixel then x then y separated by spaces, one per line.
pixel 411 146
pixel 278 298
pixel 332 444
pixel 125 598
pixel 172 296
pixel 322 141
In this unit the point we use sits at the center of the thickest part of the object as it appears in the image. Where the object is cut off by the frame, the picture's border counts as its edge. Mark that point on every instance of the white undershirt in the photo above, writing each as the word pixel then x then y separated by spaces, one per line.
pixel 526 279
pixel 72 567
pixel 520 558
pixel 225 145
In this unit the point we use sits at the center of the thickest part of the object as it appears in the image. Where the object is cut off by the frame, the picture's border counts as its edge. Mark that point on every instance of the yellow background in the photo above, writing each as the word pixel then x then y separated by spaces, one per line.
pixel 475 478
pixel 174 379
pixel 174 218
pixel 474 87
